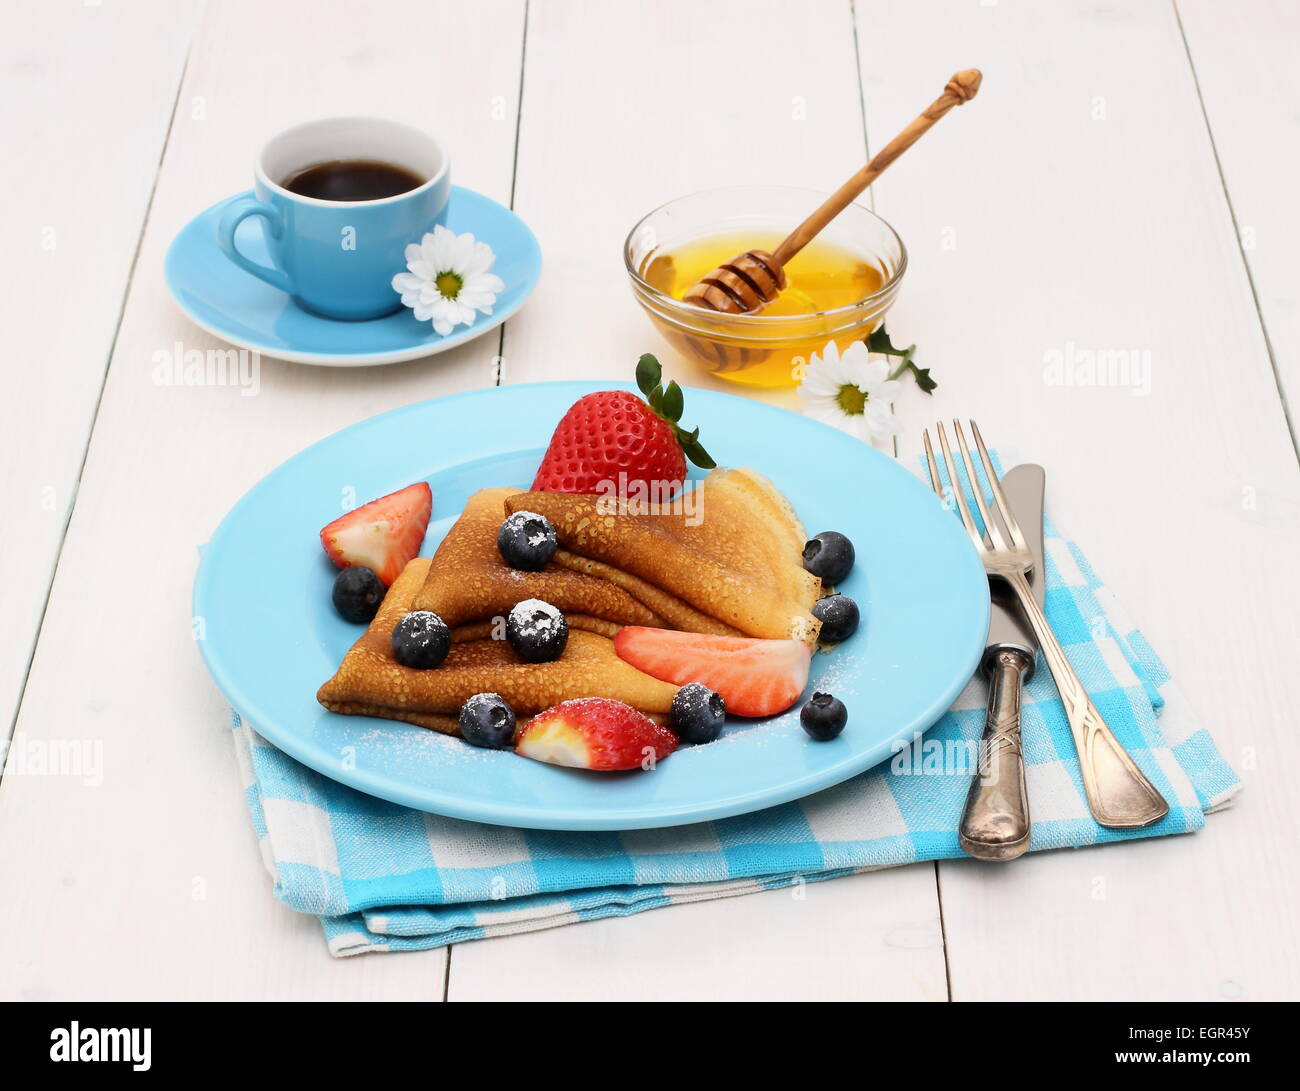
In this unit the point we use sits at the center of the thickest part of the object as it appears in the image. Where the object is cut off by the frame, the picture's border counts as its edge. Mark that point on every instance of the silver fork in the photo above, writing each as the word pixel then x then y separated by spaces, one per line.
pixel 1119 795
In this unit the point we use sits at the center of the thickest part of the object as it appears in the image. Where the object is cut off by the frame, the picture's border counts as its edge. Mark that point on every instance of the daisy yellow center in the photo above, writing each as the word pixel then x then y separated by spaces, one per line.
pixel 851 400
pixel 448 284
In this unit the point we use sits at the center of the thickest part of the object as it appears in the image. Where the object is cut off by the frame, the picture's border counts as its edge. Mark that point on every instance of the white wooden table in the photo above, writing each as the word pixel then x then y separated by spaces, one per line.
pixel 1126 180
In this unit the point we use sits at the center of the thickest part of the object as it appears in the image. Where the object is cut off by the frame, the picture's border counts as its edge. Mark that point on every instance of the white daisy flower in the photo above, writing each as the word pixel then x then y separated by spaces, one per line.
pixel 448 279
pixel 851 392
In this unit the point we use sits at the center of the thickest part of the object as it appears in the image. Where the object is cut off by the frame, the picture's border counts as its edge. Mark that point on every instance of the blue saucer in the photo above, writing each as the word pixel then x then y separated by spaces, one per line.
pixel 229 303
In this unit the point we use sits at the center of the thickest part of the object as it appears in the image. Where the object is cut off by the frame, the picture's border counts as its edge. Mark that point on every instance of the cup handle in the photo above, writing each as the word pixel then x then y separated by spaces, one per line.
pixel 234 215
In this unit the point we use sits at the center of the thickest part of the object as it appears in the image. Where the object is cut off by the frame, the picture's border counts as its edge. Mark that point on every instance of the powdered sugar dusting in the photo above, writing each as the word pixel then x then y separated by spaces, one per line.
pixel 533 617
pixel 528 526
pixel 482 702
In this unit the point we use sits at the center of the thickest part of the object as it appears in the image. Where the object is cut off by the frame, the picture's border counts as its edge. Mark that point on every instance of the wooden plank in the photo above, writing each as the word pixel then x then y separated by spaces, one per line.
pixel 646 139
pixel 1244 59
pixel 108 904
pixel 639 142
pixel 91 97
pixel 867 936
pixel 1077 203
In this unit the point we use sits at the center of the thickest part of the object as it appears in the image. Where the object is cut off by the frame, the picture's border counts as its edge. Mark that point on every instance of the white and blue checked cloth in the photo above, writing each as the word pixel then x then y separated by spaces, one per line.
pixel 384 878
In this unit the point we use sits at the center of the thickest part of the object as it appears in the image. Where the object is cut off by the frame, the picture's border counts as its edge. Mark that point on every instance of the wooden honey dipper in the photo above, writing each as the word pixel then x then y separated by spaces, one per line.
pixel 752 279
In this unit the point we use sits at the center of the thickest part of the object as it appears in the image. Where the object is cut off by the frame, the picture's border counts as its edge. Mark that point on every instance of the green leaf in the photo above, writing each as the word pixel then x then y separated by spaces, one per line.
pixel 926 384
pixel 673 403
pixel 879 342
pixel 648 374
pixel 923 379
pixel 669 404
pixel 692 449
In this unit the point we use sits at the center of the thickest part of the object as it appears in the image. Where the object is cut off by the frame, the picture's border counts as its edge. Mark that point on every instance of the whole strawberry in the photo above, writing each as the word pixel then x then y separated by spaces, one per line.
pixel 613 432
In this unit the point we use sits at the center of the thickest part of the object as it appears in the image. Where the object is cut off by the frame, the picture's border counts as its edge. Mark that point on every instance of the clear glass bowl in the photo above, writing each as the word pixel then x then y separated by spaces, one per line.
pixel 760 349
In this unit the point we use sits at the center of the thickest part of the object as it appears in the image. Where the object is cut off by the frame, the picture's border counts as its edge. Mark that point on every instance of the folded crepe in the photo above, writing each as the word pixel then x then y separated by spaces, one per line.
pixel 370 682
pixel 469 585
pixel 729 556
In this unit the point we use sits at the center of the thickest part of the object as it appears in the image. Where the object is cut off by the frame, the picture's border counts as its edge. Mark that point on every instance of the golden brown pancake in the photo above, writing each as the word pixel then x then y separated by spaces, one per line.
pixel 732 556
pixel 495 629
pixel 470 587
pixel 675 613
pixel 370 682
pixel 468 581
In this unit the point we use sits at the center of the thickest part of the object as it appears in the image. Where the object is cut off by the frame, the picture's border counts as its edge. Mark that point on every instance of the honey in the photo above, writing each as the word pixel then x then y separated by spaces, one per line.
pixel 822 277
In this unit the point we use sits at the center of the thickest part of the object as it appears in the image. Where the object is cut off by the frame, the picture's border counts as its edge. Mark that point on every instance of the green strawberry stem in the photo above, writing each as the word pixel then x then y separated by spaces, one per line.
pixel 667 404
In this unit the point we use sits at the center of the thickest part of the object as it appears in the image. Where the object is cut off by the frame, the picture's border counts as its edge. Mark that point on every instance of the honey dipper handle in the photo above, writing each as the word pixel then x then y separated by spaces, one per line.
pixel 961 88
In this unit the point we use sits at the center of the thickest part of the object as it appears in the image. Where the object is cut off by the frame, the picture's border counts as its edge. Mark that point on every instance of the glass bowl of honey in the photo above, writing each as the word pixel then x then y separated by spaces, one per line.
pixel 838 287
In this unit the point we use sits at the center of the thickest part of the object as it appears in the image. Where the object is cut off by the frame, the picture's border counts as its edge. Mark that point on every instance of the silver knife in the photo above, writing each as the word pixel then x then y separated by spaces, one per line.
pixel 995 824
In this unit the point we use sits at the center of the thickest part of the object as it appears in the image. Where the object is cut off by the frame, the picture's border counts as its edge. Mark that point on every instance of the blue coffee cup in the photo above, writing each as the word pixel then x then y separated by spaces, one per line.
pixel 338 258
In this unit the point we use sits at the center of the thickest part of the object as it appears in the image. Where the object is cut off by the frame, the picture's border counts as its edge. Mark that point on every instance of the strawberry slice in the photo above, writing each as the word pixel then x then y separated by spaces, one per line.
pixel 382 535
pixel 595 733
pixel 754 677
pixel 613 438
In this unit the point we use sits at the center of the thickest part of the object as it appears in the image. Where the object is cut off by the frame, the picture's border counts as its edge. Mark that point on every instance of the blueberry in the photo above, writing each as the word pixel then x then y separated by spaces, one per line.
pixel 486 720
pixel 537 631
pixel 527 541
pixel 421 640
pixel 838 615
pixel 824 716
pixel 828 556
pixel 698 713
pixel 357 594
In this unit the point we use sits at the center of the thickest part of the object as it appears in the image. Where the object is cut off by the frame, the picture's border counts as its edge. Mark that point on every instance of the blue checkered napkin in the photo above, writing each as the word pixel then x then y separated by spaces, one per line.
pixel 384 878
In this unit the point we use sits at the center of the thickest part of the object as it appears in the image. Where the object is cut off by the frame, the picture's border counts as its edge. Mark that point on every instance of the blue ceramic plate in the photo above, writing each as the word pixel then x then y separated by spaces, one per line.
pixel 272 636
pixel 237 307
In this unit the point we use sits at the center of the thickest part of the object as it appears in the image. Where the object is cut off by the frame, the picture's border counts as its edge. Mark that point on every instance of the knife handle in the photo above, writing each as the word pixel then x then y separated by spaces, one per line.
pixel 995 824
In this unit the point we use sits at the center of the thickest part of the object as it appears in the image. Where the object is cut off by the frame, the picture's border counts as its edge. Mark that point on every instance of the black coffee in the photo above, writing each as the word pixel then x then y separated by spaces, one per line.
pixel 352 180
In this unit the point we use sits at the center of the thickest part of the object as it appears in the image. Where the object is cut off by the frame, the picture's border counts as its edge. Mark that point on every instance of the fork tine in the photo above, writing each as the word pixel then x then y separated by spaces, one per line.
pixel 990 527
pixel 959 492
pixel 935 483
pixel 999 497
